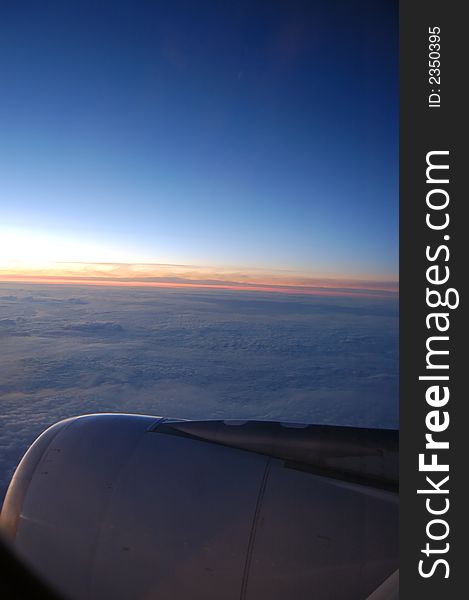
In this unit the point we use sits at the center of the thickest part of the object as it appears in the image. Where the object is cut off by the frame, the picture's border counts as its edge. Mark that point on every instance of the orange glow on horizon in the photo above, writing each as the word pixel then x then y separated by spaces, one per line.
pixel 190 277
pixel 159 284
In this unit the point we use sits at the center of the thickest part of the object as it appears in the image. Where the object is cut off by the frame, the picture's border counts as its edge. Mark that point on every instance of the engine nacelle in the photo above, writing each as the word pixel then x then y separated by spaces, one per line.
pixel 138 507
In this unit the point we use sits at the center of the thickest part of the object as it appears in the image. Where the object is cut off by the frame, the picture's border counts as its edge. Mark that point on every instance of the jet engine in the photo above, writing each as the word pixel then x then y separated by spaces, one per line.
pixel 141 507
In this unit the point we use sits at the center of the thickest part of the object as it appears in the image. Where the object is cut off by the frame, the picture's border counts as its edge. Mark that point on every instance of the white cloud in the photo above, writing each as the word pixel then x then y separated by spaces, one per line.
pixel 68 351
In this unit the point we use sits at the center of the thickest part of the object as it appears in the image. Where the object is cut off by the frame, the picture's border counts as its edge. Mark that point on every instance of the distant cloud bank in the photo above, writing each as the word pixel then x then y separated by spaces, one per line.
pixel 188 276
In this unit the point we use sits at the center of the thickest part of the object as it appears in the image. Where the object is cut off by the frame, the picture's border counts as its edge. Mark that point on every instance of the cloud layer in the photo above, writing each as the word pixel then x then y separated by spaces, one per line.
pixel 68 350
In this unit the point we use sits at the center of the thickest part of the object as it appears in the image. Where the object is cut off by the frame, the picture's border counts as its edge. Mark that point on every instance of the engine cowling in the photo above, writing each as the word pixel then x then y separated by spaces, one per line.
pixel 130 506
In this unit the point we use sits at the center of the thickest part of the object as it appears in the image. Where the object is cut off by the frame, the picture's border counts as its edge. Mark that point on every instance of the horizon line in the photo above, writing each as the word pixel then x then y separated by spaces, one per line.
pixel 281 288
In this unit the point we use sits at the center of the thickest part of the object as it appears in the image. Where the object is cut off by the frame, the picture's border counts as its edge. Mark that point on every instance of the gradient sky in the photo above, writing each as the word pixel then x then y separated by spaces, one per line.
pixel 261 134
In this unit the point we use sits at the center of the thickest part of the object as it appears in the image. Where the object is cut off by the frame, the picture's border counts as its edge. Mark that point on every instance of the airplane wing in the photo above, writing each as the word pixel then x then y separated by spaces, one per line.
pixel 140 507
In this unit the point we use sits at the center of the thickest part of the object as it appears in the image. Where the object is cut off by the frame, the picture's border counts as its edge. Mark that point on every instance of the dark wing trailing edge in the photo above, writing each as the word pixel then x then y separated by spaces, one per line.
pixel 130 506
pixel 368 456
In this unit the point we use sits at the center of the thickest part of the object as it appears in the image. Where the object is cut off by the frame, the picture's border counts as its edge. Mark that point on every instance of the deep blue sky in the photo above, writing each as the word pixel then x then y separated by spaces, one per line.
pixel 228 133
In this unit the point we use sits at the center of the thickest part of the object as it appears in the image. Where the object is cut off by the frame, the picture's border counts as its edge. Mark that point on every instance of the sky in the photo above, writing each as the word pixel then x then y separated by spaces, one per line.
pixel 230 137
